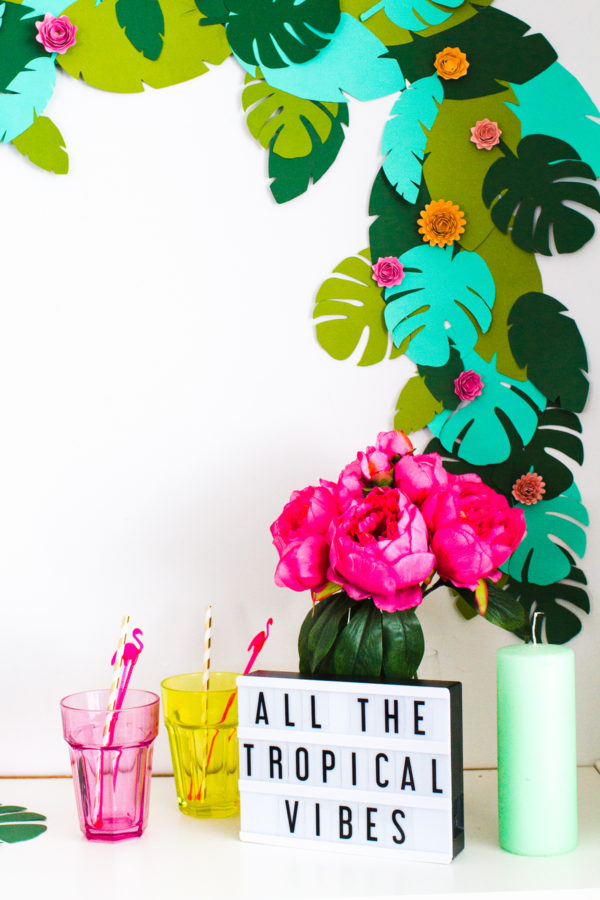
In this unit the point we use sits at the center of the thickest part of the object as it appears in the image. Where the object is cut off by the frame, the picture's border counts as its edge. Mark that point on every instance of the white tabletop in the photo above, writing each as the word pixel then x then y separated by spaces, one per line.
pixel 204 858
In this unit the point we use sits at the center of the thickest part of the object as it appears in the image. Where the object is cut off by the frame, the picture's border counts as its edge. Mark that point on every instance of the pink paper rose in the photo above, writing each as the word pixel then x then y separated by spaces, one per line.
pixel 388 271
pixel 485 134
pixel 474 530
pixel 300 537
pixel 56 33
pixel 416 476
pixel 380 549
pixel 374 467
pixel 468 385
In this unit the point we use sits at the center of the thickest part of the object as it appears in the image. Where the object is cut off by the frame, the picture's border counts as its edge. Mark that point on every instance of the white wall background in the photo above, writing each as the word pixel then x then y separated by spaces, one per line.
pixel 162 393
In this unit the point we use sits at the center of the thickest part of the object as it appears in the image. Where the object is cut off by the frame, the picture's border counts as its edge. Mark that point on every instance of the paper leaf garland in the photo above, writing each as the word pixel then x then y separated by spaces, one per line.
pixel 416 406
pixel 533 187
pixel 497 46
pixel 538 558
pixel 405 135
pixel 414 15
pixel 477 431
pixel 354 63
pixel 16 824
pixel 106 59
pixel 44 145
pixel 438 301
pixel 275 33
pixel 346 306
pixel 144 25
pixel 555 602
pixel 557 364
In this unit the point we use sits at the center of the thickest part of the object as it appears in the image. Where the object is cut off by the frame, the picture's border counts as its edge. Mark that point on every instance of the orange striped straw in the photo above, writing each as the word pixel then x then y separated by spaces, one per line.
pixel 118 670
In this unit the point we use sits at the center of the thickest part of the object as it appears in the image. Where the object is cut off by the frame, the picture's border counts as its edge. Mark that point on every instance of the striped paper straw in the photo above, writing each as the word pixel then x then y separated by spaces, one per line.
pixel 206 654
pixel 118 670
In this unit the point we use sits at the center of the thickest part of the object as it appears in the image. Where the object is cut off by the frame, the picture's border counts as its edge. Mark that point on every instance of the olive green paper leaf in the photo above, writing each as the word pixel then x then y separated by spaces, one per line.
pixel 416 406
pixel 454 168
pixel 44 145
pixel 107 60
pixel 528 192
pixel 144 25
pixel 395 229
pixel 16 824
pixel 556 602
pixel 274 33
pixel 550 345
pixel 346 306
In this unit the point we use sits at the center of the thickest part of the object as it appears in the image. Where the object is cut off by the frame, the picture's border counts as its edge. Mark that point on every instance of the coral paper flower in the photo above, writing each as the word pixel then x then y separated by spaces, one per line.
pixel 451 63
pixel 468 385
pixel 388 271
pixel 56 33
pixel 485 134
pixel 442 222
pixel 529 488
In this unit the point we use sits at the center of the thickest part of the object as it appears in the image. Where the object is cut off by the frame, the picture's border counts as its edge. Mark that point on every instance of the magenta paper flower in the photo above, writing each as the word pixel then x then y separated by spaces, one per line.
pixel 485 134
pixel 468 385
pixel 300 537
pixel 417 476
pixel 473 530
pixel 56 33
pixel 373 467
pixel 388 271
pixel 380 549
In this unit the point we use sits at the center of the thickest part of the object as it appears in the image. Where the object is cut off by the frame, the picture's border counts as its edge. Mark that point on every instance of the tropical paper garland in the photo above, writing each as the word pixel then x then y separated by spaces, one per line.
pixel 479 174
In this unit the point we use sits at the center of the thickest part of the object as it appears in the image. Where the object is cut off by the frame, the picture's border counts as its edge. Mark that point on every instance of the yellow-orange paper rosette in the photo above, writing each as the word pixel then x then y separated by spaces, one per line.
pixel 442 222
pixel 451 62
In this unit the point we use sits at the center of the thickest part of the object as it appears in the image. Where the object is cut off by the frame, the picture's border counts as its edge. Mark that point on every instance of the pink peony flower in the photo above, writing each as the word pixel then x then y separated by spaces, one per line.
pixel 468 385
pixel 416 476
pixel 380 549
pixel 388 271
pixel 474 530
pixel 374 467
pixel 56 34
pixel 300 537
pixel 485 134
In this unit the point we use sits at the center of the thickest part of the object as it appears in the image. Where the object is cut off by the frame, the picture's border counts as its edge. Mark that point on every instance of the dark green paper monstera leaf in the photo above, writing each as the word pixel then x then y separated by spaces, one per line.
pixel 274 33
pixel 556 601
pixel 353 640
pixel 17 824
pixel 528 192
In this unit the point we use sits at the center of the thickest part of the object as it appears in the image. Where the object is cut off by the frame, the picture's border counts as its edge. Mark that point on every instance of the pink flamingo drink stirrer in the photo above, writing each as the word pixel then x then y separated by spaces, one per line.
pixel 254 647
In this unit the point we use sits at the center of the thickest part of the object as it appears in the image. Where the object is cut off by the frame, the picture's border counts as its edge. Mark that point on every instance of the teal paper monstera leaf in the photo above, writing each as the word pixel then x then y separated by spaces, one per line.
pixel 441 296
pixel 479 431
pixel 539 558
pixel 17 824
pixel 528 192
pixel 415 15
pixel 274 33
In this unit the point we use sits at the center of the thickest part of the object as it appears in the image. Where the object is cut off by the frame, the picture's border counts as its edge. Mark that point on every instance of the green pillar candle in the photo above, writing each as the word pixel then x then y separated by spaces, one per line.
pixel 537 764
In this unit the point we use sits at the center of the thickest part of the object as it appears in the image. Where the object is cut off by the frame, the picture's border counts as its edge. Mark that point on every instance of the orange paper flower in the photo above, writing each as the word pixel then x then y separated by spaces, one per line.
pixel 451 62
pixel 442 222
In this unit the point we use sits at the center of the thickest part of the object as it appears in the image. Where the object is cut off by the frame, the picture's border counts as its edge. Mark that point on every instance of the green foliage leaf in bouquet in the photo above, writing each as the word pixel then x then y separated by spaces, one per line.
pixel 503 609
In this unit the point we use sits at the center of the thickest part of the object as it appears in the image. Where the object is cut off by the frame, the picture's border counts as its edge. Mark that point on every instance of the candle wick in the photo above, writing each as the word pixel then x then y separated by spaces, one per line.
pixel 533 634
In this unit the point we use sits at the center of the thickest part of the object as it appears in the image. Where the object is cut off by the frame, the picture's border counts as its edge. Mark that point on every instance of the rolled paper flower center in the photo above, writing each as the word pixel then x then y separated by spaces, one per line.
pixel 450 64
pixel 443 223
pixel 529 488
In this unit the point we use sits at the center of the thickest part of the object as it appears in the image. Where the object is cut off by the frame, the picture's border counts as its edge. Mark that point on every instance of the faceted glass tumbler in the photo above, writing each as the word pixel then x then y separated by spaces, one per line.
pixel 202 728
pixel 111 761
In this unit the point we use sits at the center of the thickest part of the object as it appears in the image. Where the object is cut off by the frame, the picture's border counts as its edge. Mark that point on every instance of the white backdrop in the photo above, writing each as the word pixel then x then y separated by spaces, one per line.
pixel 162 393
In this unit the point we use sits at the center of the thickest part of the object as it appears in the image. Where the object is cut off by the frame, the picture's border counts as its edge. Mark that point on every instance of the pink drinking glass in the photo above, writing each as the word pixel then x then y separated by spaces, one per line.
pixel 112 781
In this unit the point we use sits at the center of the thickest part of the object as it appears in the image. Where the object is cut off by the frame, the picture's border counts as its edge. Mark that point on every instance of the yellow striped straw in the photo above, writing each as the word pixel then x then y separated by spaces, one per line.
pixel 206 654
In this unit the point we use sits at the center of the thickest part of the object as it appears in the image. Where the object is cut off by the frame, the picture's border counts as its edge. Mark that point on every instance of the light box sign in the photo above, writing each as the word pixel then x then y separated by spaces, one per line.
pixel 352 766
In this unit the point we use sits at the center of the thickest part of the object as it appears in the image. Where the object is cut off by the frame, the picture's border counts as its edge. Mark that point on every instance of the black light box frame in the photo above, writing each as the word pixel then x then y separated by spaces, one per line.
pixel 352 766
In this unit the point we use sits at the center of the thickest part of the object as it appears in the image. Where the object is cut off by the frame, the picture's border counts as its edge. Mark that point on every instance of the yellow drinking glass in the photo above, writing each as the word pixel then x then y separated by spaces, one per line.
pixel 202 727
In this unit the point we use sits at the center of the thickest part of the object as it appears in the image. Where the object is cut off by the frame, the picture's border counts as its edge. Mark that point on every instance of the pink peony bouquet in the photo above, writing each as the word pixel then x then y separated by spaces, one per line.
pixel 395 526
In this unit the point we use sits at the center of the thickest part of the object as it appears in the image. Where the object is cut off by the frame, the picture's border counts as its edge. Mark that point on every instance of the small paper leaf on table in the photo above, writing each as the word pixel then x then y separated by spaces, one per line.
pixel 44 145
pixel 16 824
